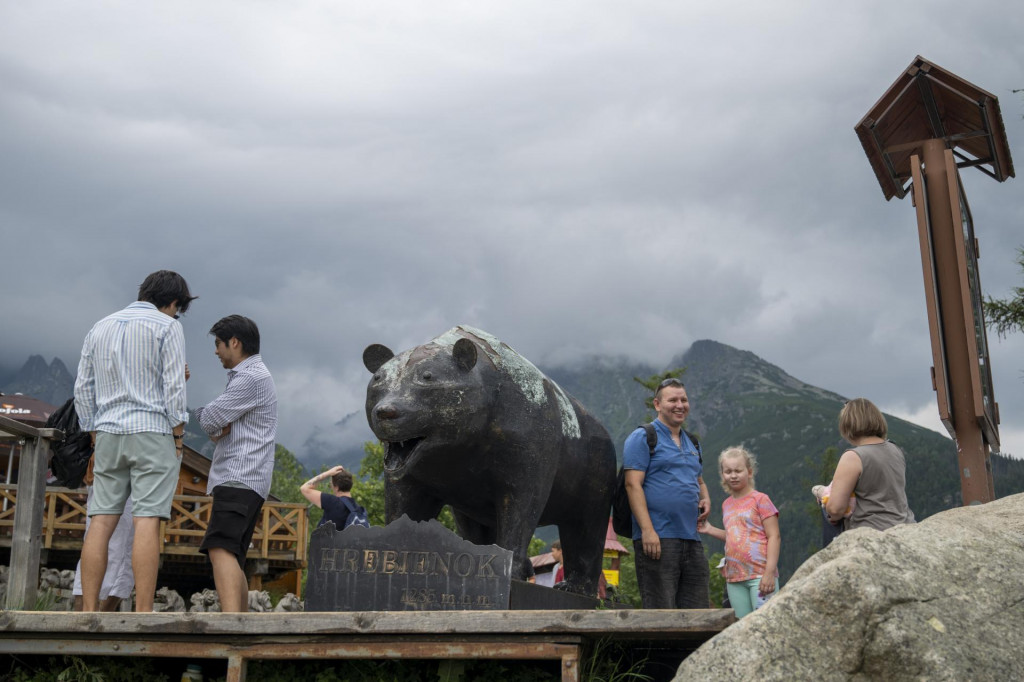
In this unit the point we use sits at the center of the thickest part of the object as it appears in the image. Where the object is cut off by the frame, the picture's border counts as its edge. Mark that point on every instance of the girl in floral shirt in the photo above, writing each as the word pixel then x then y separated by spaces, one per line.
pixel 751 533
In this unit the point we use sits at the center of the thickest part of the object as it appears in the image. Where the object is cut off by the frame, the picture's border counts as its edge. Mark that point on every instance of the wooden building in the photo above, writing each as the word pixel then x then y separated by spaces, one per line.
pixel 277 554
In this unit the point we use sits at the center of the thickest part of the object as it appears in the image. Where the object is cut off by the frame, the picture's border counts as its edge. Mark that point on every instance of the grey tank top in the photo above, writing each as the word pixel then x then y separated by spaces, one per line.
pixel 882 488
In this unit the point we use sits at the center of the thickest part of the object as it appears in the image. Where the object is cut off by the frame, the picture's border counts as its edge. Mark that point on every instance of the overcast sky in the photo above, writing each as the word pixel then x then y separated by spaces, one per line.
pixel 576 178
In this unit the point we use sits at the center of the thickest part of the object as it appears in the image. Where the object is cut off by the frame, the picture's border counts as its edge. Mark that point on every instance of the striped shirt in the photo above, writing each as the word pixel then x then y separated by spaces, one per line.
pixel 131 378
pixel 249 405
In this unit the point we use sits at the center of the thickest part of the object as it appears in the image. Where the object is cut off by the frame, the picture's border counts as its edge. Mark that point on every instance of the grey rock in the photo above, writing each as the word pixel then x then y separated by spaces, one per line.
pixel 205 602
pixel 167 600
pixel 259 602
pixel 50 577
pixel 289 602
pixel 939 600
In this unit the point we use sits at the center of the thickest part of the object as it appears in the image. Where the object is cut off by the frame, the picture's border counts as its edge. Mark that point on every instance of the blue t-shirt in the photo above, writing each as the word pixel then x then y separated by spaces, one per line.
pixel 670 481
pixel 335 510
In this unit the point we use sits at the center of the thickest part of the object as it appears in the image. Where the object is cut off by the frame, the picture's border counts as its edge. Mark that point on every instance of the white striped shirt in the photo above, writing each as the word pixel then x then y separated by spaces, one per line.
pixel 249 405
pixel 131 378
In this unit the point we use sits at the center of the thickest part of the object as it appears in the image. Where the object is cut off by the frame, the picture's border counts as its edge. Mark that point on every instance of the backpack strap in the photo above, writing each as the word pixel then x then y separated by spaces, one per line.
pixel 352 508
pixel 696 444
pixel 652 436
pixel 652 440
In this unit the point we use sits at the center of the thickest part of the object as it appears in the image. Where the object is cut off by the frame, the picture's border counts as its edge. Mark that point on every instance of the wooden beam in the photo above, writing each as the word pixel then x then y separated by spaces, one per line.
pixel 625 623
pixel 26 539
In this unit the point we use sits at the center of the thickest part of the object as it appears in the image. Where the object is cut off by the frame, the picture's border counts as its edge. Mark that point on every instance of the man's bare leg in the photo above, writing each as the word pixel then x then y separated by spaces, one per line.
pixel 228 576
pixel 145 561
pixel 94 558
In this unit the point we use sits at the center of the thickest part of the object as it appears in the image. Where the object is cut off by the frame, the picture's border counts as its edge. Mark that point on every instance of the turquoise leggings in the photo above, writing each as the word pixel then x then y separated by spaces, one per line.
pixel 744 597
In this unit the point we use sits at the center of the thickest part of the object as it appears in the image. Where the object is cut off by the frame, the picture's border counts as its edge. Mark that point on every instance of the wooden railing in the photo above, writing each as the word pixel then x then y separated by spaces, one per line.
pixel 280 534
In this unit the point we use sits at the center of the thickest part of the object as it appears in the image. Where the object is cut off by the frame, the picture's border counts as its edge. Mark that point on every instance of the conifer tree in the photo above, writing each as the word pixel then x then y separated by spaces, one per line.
pixel 1007 315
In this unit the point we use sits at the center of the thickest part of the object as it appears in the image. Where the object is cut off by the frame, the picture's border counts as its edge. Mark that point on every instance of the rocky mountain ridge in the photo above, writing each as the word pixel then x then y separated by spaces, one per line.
pixel 52 383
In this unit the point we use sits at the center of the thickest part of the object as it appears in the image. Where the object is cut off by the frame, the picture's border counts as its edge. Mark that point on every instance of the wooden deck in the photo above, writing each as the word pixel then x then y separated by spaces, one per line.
pixel 239 638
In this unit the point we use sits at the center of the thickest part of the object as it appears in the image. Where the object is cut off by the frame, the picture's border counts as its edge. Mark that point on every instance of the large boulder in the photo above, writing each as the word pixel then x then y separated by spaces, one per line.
pixel 939 600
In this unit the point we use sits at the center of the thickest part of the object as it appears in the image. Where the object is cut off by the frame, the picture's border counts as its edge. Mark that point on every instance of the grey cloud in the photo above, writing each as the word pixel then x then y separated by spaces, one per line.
pixel 573 178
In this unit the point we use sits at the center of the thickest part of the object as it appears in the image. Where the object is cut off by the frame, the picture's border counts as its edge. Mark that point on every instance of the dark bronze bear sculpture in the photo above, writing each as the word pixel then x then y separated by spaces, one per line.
pixel 469 422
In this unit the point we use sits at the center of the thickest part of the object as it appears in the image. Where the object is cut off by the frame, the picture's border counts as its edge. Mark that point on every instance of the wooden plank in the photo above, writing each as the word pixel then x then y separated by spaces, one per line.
pixel 26 539
pixel 14 427
pixel 51 513
pixel 312 636
pixel 624 623
pixel 237 654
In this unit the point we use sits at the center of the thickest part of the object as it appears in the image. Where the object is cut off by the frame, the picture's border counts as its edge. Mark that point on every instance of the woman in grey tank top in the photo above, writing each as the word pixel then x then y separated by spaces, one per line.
pixel 874 470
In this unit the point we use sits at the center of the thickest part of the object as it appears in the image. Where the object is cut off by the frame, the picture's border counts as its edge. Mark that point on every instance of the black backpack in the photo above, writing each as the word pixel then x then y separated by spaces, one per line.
pixel 622 515
pixel 70 456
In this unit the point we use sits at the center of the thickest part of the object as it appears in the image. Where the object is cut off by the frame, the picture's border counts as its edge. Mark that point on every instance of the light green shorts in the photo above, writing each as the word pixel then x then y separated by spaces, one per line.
pixel 143 465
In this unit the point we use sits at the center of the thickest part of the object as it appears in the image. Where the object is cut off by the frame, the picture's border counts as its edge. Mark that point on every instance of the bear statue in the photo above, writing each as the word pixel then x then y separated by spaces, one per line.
pixel 470 423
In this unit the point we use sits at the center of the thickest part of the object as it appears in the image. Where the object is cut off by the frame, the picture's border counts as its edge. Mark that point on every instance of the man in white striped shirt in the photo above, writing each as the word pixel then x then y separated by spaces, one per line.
pixel 130 395
pixel 243 423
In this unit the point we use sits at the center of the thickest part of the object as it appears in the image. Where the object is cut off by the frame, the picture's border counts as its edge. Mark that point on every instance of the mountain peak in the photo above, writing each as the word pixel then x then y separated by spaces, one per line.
pixel 707 351
pixel 35 364
pixel 51 383
pixel 718 366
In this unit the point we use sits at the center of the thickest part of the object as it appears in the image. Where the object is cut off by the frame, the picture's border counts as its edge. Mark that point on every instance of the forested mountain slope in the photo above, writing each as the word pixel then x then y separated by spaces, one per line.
pixel 738 398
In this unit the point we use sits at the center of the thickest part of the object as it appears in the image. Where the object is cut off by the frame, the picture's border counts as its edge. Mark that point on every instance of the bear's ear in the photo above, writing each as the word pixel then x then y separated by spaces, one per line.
pixel 376 355
pixel 464 354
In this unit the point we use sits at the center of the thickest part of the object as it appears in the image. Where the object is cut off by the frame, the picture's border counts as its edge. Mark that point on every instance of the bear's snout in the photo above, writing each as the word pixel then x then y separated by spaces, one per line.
pixel 386 411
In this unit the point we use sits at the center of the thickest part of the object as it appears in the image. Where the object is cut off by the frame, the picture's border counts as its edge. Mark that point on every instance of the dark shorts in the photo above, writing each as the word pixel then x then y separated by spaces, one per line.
pixel 232 521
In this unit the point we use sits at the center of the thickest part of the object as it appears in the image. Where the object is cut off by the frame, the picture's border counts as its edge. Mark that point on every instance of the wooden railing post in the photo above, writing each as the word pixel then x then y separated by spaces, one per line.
pixel 266 532
pixel 300 546
pixel 51 517
pixel 23 579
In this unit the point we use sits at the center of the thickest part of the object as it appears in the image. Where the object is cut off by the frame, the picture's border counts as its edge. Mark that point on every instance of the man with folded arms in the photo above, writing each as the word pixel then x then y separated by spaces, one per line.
pixel 243 423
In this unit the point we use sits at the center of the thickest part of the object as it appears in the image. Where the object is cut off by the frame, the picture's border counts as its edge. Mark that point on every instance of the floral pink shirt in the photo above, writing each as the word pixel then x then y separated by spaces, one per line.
pixel 746 544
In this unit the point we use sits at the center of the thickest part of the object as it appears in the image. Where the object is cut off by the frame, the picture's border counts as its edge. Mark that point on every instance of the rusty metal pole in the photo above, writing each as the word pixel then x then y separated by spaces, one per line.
pixel 972 450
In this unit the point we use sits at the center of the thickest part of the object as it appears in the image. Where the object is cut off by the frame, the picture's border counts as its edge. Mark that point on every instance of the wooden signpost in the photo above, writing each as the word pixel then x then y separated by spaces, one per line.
pixel 928 125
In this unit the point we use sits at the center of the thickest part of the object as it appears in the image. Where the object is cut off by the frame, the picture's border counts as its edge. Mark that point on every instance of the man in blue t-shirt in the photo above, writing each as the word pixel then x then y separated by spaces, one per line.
pixel 333 505
pixel 668 498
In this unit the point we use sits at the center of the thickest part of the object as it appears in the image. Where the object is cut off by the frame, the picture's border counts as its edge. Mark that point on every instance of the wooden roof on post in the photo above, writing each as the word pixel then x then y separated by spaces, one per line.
pixel 927 102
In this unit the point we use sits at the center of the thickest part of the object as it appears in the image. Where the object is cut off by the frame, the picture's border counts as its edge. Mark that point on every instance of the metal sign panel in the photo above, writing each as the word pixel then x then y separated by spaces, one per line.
pixel 983 396
pixel 940 374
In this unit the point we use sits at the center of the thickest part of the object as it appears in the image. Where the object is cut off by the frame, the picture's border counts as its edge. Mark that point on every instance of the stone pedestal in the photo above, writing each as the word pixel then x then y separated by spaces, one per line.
pixel 404 566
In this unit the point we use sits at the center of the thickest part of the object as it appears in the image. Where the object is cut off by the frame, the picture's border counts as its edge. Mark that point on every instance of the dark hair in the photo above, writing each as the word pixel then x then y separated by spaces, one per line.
pixel 557 544
pixel 241 328
pixel 671 381
pixel 163 288
pixel 342 481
